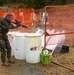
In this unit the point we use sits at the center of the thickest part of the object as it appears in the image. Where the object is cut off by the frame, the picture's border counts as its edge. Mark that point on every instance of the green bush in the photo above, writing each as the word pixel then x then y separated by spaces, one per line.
pixel 56 2
pixel 2 2
pixel 36 4
pixel 61 2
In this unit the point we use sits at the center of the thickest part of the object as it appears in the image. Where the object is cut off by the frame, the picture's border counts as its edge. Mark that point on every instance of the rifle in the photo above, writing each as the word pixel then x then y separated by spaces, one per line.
pixel 18 23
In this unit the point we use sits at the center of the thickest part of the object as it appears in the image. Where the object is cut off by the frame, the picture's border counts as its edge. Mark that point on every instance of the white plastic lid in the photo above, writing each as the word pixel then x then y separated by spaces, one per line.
pixel 33 34
pixel 20 34
pixel 12 33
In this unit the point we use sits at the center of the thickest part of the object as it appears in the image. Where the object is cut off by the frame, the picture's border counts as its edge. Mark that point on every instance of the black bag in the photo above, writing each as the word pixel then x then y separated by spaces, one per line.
pixel 64 49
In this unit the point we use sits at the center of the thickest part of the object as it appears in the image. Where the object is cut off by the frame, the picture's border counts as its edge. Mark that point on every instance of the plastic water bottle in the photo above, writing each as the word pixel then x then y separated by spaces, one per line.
pixel 46 51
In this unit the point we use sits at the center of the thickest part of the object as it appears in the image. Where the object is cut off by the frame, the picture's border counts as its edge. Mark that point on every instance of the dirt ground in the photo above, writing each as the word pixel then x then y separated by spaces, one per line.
pixel 21 67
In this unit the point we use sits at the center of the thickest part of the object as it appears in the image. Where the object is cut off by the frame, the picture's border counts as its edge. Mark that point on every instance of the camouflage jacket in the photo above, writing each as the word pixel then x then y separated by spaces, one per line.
pixel 5 25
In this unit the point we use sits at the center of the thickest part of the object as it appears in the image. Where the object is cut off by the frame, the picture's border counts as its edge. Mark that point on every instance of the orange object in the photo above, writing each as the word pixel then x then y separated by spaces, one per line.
pixel 60 18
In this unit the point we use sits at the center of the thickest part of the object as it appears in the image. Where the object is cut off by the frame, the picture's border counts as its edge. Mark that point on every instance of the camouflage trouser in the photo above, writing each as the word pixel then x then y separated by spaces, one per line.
pixel 5 49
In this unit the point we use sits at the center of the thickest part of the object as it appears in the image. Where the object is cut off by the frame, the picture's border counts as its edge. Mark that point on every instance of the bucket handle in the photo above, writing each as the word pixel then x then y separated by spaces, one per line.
pixel 51 53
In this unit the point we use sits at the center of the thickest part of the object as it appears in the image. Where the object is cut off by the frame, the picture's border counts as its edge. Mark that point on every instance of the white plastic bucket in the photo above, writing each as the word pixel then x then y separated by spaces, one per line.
pixel 20 47
pixel 33 47
pixel 11 39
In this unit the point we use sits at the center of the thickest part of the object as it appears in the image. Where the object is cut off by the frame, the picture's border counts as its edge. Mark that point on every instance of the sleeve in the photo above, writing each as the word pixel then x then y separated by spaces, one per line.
pixel 11 26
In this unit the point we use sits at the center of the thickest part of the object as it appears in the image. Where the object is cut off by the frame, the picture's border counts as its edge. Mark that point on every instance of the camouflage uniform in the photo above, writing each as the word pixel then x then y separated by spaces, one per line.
pixel 5 47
